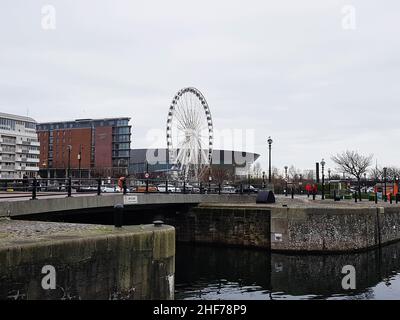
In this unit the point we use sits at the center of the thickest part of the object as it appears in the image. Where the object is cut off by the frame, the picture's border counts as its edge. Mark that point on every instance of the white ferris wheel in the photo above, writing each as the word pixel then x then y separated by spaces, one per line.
pixel 189 134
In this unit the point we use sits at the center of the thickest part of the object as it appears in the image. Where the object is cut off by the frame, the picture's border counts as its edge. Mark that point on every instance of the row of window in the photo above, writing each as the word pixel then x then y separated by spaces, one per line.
pixel 121 146
pixel 122 138
pixel 123 153
pixel 121 130
pixel 9 124
pixel 84 124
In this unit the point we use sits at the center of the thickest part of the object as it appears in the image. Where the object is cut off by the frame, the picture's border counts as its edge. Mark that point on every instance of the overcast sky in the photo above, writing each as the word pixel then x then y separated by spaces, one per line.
pixel 300 71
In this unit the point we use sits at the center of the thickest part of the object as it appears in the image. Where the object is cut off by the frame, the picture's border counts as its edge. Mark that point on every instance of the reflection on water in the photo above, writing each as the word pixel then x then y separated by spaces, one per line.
pixel 204 272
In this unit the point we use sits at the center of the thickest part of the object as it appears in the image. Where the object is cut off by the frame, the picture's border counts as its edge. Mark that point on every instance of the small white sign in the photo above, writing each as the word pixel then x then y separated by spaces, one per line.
pixel 278 237
pixel 130 200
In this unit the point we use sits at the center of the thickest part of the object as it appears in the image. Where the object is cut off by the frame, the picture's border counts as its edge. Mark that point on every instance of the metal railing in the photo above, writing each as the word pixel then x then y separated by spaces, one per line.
pixel 34 188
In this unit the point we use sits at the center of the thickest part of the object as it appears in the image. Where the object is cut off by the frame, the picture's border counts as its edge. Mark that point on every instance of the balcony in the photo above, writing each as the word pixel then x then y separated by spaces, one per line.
pixel 30 168
pixel 9 151
pixel 7 168
pixel 7 142
pixel 7 159
pixel 30 160
pixel 34 152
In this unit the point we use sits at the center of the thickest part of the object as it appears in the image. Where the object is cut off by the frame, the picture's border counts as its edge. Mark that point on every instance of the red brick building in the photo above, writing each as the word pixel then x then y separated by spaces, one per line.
pixel 99 147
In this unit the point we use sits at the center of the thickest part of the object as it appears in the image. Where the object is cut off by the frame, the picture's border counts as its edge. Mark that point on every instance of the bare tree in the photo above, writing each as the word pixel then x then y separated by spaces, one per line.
pixel 392 173
pixel 294 173
pixel 220 175
pixel 354 164
pixel 257 170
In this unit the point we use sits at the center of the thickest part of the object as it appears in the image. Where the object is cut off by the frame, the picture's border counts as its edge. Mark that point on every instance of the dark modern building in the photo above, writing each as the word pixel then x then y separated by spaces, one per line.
pixel 89 147
pixel 236 163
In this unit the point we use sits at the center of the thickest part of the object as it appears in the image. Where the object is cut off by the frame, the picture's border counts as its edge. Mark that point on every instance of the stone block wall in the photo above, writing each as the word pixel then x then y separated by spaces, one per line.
pixel 223 226
pixel 131 263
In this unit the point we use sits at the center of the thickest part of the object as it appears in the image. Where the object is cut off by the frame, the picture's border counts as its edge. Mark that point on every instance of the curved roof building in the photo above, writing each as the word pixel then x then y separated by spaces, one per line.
pixel 155 161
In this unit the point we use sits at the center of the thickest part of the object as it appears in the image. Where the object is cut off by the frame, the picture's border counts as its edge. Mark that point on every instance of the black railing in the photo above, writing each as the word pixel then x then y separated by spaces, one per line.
pixel 42 187
pixel 39 187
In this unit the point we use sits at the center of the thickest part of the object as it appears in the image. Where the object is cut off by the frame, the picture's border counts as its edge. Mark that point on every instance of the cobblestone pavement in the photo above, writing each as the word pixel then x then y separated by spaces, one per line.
pixel 31 231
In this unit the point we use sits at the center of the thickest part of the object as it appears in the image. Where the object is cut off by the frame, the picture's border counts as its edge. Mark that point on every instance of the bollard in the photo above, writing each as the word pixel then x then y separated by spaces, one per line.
pixel 241 188
pixel 292 193
pixel 219 189
pixel 201 188
pixel 184 187
pixel 34 187
pixel 69 187
pixel 99 186
pixel 313 196
pixel 158 223
pixel 355 197
pixel 334 195
pixel 118 215
pixel 166 187
pixel 124 186
pixel 147 185
pixel 376 197
pixel 391 198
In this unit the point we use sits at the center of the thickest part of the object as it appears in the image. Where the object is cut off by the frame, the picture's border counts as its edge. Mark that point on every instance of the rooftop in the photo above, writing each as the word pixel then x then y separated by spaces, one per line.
pixel 16 117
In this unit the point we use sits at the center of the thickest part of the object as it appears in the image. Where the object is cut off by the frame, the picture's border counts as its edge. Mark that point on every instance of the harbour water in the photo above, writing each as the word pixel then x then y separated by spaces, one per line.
pixel 216 273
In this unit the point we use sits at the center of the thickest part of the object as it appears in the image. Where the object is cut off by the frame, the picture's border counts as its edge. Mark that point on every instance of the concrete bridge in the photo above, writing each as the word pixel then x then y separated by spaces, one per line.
pixel 20 206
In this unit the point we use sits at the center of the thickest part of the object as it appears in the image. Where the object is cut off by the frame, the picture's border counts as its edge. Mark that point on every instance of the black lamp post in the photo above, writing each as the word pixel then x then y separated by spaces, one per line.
pixel 323 178
pixel 263 178
pixel 286 178
pixel 69 160
pixel 329 180
pixel 269 163
pixel 365 182
pixel 79 163
pixel 385 181
pixel 209 179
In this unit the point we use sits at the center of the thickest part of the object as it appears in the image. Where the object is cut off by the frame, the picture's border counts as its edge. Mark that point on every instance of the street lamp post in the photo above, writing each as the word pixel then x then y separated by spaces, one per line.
pixel 269 164
pixel 263 178
pixel 286 178
pixel 329 180
pixel 365 182
pixel 209 179
pixel 79 163
pixel 69 160
pixel 323 178
pixel 384 180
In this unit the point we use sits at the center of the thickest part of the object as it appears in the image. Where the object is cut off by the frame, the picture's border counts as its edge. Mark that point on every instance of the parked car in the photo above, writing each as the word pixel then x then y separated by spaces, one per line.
pixel 247 189
pixel 171 188
pixel 191 189
pixel 151 188
pixel 108 189
pixel 86 189
pixel 228 189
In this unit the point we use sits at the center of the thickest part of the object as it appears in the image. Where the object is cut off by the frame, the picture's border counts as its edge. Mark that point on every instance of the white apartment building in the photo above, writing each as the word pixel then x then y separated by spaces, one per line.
pixel 19 147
